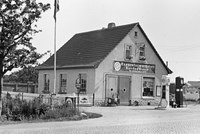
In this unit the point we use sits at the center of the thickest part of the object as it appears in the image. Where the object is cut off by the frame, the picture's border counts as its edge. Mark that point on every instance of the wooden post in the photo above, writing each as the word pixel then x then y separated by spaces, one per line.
pixel 1 95
pixel 93 98
pixel 16 87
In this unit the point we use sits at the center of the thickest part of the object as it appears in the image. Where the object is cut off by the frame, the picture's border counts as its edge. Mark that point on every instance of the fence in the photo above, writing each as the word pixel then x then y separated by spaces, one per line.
pixel 21 87
pixel 84 100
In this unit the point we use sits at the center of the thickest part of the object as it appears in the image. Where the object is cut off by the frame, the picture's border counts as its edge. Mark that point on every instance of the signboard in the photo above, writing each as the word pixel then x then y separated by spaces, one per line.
pixel 165 80
pixel 83 100
pixel 134 67
pixel 78 83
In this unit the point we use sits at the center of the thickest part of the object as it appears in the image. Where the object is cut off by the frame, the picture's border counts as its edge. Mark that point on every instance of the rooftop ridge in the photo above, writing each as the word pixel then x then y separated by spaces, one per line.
pixel 92 47
pixel 105 29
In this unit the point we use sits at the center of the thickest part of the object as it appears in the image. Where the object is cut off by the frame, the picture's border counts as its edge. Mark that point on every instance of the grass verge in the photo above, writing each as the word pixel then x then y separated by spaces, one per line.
pixel 86 115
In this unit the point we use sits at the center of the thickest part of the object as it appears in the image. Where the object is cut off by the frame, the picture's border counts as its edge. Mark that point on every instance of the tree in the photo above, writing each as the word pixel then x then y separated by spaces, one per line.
pixel 17 26
pixel 25 75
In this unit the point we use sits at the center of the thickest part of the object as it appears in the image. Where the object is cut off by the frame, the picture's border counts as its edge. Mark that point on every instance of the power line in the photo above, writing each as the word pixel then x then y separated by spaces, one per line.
pixel 178 48
pixel 176 61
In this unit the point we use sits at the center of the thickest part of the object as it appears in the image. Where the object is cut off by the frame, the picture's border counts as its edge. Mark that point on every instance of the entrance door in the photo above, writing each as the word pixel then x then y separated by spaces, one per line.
pixel 111 83
pixel 124 90
pixel 120 86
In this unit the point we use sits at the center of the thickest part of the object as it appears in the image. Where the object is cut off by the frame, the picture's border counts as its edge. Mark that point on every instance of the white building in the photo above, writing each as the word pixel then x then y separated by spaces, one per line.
pixel 120 58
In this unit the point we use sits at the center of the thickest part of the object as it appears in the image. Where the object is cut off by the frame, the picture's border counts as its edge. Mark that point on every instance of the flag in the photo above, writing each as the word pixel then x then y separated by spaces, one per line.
pixel 56 8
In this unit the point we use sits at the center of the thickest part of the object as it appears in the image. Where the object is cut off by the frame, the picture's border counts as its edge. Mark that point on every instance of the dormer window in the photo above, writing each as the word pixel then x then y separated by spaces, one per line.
pixel 142 52
pixel 128 52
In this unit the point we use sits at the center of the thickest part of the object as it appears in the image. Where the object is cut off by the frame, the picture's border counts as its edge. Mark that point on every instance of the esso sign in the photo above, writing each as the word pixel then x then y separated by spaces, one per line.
pixel 165 80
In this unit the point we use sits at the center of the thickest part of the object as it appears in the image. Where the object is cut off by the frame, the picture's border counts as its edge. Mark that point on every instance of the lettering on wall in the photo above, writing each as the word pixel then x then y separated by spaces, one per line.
pixel 134 67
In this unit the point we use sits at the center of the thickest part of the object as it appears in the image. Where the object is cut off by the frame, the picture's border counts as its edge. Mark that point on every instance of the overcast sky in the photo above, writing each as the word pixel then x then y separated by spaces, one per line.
pixel 173 27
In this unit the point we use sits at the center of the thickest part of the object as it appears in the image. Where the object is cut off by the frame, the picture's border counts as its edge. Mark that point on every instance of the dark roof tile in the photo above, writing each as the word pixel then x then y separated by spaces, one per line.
pixel 194 83
pixel 90 47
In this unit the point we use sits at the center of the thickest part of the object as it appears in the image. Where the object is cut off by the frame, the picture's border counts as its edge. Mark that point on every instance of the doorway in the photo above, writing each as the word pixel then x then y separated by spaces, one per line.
pixel 120 85
pixel 124 89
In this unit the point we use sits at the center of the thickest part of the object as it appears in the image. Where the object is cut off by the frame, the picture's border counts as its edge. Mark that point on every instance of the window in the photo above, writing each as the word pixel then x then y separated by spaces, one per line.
pixel 128 52
pixel 142 52
pixel 136 34
pixel 46 83
pixel 83 83
pixel 63 83
pixel 148 87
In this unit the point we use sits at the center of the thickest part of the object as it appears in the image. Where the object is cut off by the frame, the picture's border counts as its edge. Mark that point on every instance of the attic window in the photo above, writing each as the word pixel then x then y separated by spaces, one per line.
pixel 128 52
pixel 142 52
pixel 136 34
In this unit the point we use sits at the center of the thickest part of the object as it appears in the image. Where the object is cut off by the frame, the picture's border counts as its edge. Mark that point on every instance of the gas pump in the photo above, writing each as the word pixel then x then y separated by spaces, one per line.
pixel 179 91
pixel 164 99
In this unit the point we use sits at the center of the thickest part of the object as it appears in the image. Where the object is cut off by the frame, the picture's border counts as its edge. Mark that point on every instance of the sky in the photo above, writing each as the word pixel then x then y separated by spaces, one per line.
pixel 173 27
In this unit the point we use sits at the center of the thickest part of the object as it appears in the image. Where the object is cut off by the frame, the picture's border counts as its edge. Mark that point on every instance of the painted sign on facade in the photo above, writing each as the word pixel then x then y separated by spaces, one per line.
pixel 134 67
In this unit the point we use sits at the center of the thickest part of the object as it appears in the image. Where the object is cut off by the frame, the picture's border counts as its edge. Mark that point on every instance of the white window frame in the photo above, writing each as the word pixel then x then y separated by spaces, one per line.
pixel 128 47
pixel 142 52
pixel 83 83
pixel 135 34
pixel 63 87
pixel 46 82
pixel 153 86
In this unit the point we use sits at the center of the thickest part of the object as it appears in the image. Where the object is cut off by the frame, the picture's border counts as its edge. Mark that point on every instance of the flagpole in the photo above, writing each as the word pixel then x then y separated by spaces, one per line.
pixel 54 89
pixel 56 9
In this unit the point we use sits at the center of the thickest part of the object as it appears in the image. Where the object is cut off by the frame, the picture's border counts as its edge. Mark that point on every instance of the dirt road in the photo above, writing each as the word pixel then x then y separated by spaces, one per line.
pixel 120 120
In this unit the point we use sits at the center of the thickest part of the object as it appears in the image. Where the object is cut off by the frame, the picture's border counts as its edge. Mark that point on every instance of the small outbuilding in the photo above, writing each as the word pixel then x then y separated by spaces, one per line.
pixel 117 60
pixel 191 91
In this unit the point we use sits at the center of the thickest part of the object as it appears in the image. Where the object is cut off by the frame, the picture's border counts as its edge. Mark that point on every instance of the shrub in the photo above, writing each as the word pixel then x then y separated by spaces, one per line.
pixel 75 117
pixel 93 115
pixel 59 112
pixel 16 109
pixel 51 114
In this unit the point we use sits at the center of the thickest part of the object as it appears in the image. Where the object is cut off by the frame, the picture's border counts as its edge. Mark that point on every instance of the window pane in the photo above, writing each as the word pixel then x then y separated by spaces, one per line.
pixel 148 87
pixel 128 51
pixel 63 80
pixel 142 50
pixel 83 83
pixel 46 82
pixel 63 83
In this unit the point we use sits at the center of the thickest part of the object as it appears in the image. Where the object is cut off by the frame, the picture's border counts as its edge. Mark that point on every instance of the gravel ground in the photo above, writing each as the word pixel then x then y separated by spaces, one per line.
pixel 120 120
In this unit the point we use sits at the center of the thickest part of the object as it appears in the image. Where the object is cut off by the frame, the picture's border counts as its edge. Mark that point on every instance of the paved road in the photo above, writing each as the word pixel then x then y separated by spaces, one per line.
pixel 120 120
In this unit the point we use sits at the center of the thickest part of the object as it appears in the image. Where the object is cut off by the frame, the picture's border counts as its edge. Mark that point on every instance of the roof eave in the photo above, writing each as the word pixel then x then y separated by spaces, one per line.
pixel 169 71
pixel 66 67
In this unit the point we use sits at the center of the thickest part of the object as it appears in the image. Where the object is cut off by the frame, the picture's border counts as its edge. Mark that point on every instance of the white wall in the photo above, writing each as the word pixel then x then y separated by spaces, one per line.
pixel 72 75
pixel 106 66
pixel 96 77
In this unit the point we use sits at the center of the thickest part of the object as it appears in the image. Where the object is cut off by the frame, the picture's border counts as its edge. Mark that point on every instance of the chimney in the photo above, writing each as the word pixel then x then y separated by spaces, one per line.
pixel 167 63
pixel 111 25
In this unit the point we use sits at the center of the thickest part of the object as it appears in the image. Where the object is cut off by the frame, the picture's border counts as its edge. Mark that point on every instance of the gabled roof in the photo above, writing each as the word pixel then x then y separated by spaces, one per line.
pixel 88 49
pixel 194 84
